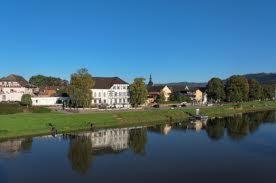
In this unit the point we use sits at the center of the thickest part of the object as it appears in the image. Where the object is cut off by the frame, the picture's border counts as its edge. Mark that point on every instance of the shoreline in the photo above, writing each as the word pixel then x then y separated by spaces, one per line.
pixel 29 125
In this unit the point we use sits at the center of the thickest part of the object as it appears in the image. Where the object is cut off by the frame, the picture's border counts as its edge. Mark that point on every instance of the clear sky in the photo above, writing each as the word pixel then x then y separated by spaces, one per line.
pixel 175 40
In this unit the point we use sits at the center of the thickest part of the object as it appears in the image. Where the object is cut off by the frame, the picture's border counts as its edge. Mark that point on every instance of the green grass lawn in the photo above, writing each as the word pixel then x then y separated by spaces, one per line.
pixel 25 124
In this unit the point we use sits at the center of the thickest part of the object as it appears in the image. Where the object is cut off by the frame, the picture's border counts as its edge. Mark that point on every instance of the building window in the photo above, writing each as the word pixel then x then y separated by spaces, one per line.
pixel 104 94
pixel 120 101
pixel 104 101
pixel 118 87
pixel 95 94
pixel 115 94
pixel 99 94
pixel 95 101
pixel 124 100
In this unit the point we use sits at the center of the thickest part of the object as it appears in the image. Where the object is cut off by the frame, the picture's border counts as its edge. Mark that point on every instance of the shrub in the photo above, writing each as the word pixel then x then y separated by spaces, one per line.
pixel 26 100
pixel 40 110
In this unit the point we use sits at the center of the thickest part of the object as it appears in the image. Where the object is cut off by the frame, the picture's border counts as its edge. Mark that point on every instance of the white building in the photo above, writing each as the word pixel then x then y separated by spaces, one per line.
pixel 13 87
pixel 111 92
pixel 48 101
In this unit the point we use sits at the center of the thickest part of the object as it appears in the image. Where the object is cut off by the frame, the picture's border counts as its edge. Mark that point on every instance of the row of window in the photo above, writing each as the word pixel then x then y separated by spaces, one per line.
pixel 114 101
pixel 9 83
pixel 99 94
pixel 119 87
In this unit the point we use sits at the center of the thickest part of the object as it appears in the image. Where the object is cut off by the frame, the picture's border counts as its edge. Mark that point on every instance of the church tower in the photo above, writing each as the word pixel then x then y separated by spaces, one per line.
pixel 150 81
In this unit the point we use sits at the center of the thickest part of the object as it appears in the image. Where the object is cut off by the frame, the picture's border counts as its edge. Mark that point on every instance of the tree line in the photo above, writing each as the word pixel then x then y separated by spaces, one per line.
pixel 238 89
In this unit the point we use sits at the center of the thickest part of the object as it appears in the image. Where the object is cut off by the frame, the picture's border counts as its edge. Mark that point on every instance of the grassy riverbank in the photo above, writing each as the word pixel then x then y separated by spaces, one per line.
pixel 26 124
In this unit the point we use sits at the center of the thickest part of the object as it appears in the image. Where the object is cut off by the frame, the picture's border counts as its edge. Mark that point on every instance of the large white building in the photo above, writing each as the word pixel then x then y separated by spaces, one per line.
pixel 111 92
pixel 13 87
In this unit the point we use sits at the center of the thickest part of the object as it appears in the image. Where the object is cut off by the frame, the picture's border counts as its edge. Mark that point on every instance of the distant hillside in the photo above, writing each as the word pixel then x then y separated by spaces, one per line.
pixel 189 84
pixel 263 78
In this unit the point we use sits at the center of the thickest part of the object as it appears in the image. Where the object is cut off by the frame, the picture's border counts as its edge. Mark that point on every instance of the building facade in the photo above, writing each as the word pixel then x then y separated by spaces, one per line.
pixel 13 87
pixel 110 92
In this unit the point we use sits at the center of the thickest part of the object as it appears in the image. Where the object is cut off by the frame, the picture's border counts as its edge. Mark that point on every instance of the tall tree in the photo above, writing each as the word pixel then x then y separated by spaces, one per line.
pixel 215 90
pixel 255 90
pixel 80 87
pixel 237 89
pixel 268 91
pixel 138 92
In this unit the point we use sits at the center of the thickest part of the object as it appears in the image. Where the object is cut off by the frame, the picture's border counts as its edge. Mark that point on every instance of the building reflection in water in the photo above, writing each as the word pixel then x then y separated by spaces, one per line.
pixel 84 147
pixel 12 148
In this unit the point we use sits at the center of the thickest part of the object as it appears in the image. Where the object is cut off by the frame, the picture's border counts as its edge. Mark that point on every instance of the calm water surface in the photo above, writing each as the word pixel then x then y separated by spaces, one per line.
pixel 233 149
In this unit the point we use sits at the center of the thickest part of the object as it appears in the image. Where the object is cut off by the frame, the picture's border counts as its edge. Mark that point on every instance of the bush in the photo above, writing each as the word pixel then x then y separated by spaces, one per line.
pixel 26 100
pixel 10 108
pixel 40 110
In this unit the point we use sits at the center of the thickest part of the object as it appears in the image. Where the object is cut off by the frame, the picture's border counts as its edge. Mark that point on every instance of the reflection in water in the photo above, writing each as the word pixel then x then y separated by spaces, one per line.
pixel 12 148
pixel 85 147
pixel 238 126
pixel 138 140
pixel 80 155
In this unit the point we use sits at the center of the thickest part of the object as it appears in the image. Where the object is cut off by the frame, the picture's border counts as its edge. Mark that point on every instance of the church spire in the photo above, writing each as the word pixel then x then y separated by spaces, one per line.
pixel 150 81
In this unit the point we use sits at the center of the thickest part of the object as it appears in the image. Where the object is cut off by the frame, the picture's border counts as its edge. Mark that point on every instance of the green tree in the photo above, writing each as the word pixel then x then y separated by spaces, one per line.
pixel 179 97
pixel 215 89
pixel 80 87
pixel 255 90
pixel 26 100
pixel 161 97
pixel 138 92
pixel 237 89
pixel 268 92
pixel 43 81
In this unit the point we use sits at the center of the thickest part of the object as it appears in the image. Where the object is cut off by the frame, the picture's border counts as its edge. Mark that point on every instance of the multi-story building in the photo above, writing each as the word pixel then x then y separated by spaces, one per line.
pixel 13 87
pixel 111 92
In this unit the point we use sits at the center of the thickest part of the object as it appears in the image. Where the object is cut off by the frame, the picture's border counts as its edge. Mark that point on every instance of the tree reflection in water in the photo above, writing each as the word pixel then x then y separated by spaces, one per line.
pixel 138 140
pixel 238 126
pixel 80 154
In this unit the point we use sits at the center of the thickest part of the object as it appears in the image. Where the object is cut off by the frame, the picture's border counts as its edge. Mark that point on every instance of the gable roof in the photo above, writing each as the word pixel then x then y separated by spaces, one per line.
pixel 107 82
pixel 16 78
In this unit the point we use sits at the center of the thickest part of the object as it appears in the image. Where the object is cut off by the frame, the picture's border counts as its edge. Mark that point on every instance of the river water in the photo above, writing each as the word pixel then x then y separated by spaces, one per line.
pixel 232 149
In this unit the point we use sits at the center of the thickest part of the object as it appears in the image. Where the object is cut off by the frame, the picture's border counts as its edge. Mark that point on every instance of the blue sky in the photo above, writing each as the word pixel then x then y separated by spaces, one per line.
pixel 175 40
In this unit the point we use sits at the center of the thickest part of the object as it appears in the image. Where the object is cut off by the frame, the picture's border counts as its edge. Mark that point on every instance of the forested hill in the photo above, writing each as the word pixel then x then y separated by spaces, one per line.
pixel 263 78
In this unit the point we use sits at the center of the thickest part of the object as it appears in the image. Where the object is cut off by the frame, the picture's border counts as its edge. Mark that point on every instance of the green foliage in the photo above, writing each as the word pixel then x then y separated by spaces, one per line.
pixel 161 97
pixel 80 154
pixel 268 92
pixel 40 110
pixel 237 89
pixel 80 87
pixel 138 92
pixel 42 81
pixel 215 90
pixel 26 100
pixel 6 108
pixel 255 90
pixel 13 108
pixel 179 97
